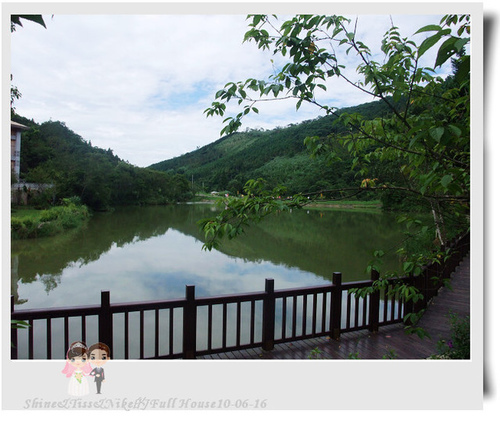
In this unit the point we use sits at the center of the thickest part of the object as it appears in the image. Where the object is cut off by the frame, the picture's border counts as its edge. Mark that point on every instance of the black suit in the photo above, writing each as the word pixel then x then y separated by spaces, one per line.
pixel 98 379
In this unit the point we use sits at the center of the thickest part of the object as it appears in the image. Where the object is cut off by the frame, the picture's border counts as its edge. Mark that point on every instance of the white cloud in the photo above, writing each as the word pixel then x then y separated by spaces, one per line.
pixel 139 84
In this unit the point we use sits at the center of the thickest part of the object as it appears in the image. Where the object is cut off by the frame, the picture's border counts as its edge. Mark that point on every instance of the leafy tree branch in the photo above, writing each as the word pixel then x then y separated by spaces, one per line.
pixel 426 135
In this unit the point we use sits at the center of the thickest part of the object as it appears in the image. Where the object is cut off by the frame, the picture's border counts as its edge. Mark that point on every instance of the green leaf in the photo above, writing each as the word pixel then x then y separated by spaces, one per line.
pixel 446 50
pixel 455 129
pixel 463 69
pixel 436 133
pixel 33 18
pixel 446 180
pixel 408 266
pixel 19 324
pixel 429 28
pixel 428 43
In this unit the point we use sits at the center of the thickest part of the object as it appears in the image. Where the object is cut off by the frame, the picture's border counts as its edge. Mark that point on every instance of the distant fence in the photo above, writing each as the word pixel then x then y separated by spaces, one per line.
pixel 21 193
pixel 191 327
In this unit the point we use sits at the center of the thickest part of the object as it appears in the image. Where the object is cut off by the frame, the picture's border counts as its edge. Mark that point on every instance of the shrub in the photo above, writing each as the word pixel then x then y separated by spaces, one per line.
pixel 458 346
pixel 460 337
pixel 49 215
pixel 51 221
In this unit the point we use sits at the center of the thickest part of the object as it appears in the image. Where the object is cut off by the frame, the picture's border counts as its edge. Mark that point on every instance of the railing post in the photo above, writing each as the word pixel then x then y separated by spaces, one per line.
pixel 336 306
pixel 13 333
pixel 374 305
pixel 106 322
pixel 431 286
pixel 189 324
pixel 268 316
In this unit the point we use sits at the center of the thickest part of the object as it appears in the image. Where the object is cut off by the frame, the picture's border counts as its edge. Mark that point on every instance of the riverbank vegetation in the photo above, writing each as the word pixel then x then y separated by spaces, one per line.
pixel 30 223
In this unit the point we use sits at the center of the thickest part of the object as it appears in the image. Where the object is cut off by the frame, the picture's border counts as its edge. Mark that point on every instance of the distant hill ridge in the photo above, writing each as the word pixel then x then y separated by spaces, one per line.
pixel 278 155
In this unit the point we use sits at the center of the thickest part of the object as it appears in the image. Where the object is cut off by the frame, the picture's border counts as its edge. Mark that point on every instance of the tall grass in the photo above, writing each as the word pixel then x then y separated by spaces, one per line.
pixel 32 224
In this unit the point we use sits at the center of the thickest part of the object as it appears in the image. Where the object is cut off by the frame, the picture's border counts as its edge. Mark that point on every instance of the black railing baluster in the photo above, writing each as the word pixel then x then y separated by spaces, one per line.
pixel 238 323
pixel 393 306
pixel 210 326
pixel 304 315
pixel 323 313
pixel 66 334
pixel 356 311
pixel 171 332
pixel 283 317
pixel 385 317
pixel 141 334
pixel 252 322
pixel 157 332
pixel 49 338
pixel 224 325
pixel 365 308
pixel 126 331
pixel 30 340
pixel 348 311
pixel 84 329
pixel 314 310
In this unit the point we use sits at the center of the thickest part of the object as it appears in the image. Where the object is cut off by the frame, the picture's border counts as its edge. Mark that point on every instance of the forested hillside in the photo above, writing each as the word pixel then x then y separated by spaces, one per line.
pixel 279 156
pixel 53 154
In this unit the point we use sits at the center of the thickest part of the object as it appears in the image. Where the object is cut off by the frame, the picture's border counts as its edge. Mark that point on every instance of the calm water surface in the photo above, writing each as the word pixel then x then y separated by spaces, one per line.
pixel 151 253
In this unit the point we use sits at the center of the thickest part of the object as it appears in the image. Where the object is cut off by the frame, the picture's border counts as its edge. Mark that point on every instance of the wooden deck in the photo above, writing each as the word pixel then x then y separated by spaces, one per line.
pixel 389 340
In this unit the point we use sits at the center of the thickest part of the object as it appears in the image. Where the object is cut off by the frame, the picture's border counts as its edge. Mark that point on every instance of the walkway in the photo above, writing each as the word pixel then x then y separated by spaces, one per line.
pixel 390 340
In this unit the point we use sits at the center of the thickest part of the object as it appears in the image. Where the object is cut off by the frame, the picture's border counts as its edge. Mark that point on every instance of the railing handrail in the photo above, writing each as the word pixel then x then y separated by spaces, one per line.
pixel 146 305
pixel 53 312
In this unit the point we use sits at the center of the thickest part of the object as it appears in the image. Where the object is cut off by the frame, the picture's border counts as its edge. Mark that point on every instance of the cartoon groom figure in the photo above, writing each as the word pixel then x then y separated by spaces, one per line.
pixel 99 355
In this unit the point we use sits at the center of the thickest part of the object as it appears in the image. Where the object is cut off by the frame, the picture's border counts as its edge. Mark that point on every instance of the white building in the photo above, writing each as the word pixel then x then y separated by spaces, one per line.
pixel 15 146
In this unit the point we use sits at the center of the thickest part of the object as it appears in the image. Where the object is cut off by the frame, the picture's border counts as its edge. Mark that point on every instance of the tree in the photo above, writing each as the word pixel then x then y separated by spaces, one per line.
pixel 15 20
pixel 425 137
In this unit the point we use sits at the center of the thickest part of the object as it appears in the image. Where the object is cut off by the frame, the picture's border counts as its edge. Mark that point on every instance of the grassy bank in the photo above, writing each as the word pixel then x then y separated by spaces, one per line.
pixel 361 205
pixel 347 204
pixel 32 223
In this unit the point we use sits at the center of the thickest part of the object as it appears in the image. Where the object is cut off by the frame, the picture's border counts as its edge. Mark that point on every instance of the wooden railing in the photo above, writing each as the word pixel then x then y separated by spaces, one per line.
pixel 191 327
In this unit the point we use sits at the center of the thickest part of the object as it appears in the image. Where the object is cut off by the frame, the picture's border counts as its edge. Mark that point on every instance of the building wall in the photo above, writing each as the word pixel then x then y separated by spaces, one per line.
pixel 15 151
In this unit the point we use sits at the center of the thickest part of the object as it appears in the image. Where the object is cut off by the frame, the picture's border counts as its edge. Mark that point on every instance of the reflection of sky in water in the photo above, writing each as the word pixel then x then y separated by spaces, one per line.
pixel 159 268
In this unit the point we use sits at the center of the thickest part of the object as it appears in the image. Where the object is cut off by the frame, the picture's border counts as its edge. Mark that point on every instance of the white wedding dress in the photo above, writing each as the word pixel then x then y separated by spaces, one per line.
pixel 78 384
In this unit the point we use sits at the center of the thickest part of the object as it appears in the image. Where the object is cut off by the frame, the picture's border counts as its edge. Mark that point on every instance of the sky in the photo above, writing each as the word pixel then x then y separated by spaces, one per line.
pixel 139 84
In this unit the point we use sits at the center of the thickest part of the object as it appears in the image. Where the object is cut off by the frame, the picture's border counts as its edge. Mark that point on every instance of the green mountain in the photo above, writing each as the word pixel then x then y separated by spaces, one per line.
pixel 278 155
pixel 52 153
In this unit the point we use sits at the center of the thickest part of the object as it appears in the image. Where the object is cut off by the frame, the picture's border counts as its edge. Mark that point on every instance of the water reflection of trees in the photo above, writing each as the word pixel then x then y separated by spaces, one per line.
pixel 45 259
pixel 310 241
pixel 319 242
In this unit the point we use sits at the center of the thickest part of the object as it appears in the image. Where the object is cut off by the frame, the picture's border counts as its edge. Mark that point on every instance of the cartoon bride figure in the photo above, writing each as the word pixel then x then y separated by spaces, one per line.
pixel 77 368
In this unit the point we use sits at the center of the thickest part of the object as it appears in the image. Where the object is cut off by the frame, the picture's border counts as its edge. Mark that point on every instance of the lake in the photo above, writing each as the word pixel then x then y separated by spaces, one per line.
pixel 151 253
